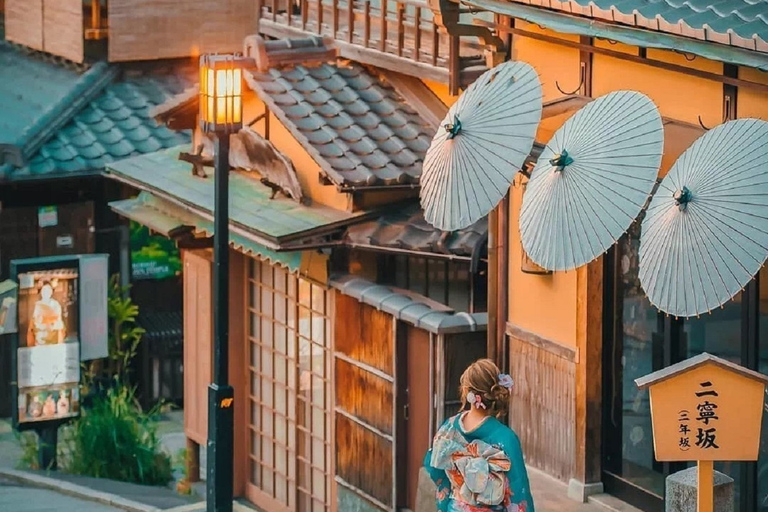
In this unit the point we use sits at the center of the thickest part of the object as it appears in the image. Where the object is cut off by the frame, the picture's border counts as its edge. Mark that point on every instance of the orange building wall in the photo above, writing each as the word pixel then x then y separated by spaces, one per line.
pixel 553 63
pixel 676 95
pixel 441 91
pixel 750 102
pixel 542 304
pixel 307 168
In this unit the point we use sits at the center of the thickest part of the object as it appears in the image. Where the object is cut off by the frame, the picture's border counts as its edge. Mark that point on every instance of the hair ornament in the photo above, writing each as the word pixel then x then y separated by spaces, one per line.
pixel 475 399
pixel 506 381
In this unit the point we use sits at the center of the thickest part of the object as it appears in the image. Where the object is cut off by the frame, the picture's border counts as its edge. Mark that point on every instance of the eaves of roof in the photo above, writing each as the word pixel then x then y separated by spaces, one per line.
pixel 563 22
pixel 271 222
pixel 167 218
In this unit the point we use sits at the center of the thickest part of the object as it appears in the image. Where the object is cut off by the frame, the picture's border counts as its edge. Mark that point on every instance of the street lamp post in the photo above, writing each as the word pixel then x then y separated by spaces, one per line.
pixel 221 111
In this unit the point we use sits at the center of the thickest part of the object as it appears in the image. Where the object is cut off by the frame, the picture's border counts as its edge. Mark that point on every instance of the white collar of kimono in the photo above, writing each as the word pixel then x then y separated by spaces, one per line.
pixel 464 430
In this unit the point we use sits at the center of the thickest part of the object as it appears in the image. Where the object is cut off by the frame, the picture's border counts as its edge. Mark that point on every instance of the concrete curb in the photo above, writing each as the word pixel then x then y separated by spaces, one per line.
pixel 75 490
pixel 192 507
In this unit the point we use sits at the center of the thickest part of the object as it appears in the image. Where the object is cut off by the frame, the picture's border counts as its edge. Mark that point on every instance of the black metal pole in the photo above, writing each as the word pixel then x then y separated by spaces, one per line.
pixel 220 393
pixel 47 440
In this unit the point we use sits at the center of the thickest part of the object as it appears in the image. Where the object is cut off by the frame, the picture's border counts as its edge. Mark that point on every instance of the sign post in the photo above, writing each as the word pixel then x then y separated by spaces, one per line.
pixel 705 409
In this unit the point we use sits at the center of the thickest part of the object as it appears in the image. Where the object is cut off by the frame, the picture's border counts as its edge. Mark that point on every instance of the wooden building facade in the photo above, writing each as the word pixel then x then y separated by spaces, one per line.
pixel 316 344
pixel 350 318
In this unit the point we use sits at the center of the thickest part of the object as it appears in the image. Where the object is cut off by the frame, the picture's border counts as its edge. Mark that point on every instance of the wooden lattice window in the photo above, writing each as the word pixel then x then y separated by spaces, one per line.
pixel 291 403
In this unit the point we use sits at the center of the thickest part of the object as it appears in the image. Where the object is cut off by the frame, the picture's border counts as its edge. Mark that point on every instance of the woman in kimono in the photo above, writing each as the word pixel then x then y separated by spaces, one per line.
pixel 476 461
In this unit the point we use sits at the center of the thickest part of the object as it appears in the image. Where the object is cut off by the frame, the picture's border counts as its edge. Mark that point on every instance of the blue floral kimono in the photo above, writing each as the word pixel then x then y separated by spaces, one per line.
pixel 480 470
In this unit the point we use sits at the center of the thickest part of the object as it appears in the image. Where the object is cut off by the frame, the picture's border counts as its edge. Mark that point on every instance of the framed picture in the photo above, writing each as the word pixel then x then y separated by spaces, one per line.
pixel 529 267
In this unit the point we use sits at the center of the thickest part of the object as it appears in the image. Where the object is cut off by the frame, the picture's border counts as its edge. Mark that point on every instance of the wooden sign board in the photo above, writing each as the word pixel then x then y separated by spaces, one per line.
pixel 706 409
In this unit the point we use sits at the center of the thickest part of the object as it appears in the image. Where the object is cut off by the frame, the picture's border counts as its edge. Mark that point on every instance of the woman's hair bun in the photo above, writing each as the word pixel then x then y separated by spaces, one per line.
pixel 482 377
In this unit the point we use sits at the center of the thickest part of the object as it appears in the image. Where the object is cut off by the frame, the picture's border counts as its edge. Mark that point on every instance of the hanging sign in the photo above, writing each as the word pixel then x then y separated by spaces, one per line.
pixel 152 256
pixel 705 409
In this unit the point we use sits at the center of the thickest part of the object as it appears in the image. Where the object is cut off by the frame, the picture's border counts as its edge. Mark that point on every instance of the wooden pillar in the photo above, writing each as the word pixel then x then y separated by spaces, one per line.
pixel 193 461
pixel 238 365
pixel 493 287
pixel 589 339
pixel 502 291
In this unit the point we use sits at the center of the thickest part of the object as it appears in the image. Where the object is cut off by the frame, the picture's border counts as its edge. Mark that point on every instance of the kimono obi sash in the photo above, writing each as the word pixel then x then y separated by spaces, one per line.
pixel 477 470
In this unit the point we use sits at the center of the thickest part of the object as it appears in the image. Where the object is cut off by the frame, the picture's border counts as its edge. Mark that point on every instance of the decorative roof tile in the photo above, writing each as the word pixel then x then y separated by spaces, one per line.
pixel 358 127
pixel 740 23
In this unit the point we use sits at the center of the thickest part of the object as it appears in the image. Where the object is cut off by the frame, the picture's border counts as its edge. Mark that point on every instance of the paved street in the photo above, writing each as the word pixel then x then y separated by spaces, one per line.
pixel 25 499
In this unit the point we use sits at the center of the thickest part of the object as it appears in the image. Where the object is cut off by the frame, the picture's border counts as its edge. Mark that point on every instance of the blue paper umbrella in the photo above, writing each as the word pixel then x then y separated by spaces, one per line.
pixel 705 234
pixel 592 180
pixel 482 143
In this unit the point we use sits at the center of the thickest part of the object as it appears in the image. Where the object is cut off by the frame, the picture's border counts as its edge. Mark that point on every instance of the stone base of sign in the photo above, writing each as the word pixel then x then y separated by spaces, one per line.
pixel 681 492
pixel 581 492
pixel 425 495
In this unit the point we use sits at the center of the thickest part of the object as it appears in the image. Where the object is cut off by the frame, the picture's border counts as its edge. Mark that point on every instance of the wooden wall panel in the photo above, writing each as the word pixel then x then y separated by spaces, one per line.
pixel 543 404
pixel 364 395
pixel 364 460
pixel 73 233
pixel 24 22
pixel 364 334
pixel 63 29
pixel 162 29
pixel 198 337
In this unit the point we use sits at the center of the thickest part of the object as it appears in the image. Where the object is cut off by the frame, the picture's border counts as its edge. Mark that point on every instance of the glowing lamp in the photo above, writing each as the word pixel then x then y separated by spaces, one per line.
pixel 221 93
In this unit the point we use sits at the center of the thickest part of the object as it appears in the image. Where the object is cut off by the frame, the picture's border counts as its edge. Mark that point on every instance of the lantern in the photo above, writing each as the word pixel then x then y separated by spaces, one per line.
pixel 221 93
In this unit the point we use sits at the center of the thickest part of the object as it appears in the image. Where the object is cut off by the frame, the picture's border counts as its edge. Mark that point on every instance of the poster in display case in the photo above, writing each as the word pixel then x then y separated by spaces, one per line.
pixel 60 302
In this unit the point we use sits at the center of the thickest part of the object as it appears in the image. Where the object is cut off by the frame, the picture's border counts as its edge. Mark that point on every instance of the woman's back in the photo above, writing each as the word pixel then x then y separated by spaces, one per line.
pixel 476 461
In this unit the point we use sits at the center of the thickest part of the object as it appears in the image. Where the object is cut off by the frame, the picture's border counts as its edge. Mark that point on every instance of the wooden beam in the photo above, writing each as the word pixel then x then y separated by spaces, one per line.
pixel 589 340
pixel 628 57
pixel 419 96
pixel 566 352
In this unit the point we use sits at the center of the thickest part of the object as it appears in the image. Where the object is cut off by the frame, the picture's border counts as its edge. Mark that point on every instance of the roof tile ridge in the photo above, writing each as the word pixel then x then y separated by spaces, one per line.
pixel 88 86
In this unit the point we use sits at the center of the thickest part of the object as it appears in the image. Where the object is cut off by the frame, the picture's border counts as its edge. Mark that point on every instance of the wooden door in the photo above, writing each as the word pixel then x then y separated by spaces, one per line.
pixel 419 374
pixel 73 232
pixel 198 338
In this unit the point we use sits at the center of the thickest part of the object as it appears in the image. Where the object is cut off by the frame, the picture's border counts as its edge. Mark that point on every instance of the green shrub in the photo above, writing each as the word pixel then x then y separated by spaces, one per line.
pixel 114 439
pixel 28 443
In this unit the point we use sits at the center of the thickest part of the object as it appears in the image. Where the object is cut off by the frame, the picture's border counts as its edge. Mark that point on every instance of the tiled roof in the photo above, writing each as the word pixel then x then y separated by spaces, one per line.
pixel 270 222
pixel 67 122
pixel 405 228
pixel 115 125
pixel 30 88
pixel 355 124
pixel 410 307
pixel 740 23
